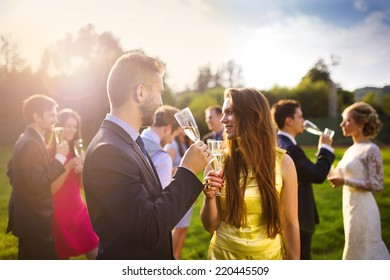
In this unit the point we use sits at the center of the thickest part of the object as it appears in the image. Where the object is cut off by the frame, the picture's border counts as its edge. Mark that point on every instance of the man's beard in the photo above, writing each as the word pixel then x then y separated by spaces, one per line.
pixel 148 114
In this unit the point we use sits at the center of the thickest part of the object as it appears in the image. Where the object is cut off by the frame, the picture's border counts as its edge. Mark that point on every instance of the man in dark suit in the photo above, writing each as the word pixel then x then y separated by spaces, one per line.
pixel 130 212
pixel 213 115
pixel 31 173
pixel 288 116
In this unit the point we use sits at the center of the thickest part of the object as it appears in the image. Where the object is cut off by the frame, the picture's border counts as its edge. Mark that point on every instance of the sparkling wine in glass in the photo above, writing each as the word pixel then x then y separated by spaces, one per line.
pixel 216 149
pixel 311 128
pixel 187 122
pixel 59 134
pixel 78 147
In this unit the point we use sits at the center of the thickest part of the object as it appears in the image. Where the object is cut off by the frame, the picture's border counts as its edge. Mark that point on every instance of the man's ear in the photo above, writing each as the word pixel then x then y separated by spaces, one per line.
pixel 36 117
pixel 288 121
pixel 168 129
pixel 140 93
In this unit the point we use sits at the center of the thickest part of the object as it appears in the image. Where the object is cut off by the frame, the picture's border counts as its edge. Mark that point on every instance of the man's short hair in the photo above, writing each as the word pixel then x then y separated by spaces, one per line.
pixel 39 104
pixel 165 115
pixel 283 109
pixel 130 70
pixel 216 108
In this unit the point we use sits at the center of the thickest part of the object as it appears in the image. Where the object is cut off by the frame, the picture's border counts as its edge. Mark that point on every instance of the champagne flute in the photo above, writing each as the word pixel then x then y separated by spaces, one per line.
pixel 329 132
pixel 78 148
pixel 59 134
pixel 187 122
pixel 216 148
pixel 313 129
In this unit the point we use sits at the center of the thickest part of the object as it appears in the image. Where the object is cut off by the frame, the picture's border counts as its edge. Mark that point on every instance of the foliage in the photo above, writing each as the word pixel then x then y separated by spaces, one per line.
pixel 74 72
pixel 344 99
pixel 312 96
pixel 229 75
pixel 319 72
pixel 385 104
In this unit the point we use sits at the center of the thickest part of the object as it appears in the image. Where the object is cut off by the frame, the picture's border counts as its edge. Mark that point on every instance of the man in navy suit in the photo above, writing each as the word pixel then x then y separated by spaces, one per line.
pixel 288 117
pixel 130 212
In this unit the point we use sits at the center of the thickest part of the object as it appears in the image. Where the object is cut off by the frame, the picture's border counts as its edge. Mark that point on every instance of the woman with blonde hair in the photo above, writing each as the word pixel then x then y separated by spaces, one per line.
pixel 360 172
pixel 256 215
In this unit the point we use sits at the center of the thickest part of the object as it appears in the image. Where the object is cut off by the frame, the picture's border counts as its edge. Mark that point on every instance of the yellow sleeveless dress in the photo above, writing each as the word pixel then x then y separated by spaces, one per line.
pixel 249 243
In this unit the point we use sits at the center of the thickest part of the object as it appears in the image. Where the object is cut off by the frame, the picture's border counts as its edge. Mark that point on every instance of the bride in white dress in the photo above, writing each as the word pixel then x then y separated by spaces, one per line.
pixel 360 172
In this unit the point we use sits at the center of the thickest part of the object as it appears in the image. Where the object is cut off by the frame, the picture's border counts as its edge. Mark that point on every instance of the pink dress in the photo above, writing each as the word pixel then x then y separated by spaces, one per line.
pixel 72 231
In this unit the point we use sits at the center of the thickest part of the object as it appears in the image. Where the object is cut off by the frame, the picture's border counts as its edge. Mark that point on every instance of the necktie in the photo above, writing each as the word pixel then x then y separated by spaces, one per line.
pixel 141 144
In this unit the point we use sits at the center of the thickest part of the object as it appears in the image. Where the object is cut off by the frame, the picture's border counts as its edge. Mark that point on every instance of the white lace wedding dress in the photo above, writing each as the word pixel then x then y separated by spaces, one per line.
pixel 362 169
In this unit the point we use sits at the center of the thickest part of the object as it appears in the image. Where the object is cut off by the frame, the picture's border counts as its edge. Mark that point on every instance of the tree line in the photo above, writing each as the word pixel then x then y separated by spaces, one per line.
pixel 74 72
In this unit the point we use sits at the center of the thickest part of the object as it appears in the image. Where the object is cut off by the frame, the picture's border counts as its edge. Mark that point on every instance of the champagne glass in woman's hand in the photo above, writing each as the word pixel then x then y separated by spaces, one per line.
pixel 216 148
pixel 187 122
pixel 59 134
pixel 78 148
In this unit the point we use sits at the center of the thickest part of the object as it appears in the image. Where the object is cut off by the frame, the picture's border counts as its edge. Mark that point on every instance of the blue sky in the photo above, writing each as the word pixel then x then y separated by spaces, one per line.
pixel 276 42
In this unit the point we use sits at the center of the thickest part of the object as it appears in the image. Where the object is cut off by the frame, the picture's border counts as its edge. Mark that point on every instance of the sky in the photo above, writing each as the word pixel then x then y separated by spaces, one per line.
pixel 275 42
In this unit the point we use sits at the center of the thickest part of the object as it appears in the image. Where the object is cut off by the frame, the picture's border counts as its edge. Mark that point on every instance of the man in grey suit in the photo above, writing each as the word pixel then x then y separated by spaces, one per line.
pixel 130 212
pixel 31 173
pixel 288 116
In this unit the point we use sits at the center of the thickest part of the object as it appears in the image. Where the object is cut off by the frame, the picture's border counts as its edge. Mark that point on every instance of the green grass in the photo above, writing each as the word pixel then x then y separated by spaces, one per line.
pixel 328 240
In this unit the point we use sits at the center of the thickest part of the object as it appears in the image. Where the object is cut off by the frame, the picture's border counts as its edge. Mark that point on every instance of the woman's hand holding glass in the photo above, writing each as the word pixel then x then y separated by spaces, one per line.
pixel 212 183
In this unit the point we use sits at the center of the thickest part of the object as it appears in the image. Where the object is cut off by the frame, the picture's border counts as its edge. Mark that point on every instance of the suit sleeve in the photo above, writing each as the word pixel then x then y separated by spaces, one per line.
pixel 120 189
pixel 37 175
pixel 312 172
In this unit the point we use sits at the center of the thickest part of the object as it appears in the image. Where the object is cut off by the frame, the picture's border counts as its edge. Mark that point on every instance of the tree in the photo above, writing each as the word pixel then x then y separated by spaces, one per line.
pixel 385 104
pixel 75 70
pixel 204 79
pixel 10 60
pixel 233 74
pixel 320 72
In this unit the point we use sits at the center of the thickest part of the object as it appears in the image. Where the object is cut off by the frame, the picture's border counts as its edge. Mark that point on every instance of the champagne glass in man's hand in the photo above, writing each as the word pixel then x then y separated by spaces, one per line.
pixel 187 122
pixel 313 129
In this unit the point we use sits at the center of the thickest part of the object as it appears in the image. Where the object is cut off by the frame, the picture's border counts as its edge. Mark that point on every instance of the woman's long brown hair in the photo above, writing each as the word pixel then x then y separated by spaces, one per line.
pixel 253 148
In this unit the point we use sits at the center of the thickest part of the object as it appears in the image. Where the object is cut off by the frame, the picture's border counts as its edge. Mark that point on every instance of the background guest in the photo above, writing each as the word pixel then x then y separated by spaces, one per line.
pixel 176 150
pixel 213 115
pixel 360 172
pixel 31 173
pixel 288 116
pixel 73 231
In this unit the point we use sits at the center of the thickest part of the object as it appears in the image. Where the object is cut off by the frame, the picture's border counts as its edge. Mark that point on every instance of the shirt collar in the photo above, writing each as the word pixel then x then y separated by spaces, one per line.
pixel 288 135
pixel 149 134
pixel 126 127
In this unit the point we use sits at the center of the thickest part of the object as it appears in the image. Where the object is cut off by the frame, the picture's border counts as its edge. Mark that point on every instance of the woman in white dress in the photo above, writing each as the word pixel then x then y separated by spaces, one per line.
pixel 360 172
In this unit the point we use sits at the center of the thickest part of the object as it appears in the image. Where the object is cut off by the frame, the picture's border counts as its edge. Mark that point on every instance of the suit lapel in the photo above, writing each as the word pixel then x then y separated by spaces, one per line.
pixel 127 138
pixel 35 135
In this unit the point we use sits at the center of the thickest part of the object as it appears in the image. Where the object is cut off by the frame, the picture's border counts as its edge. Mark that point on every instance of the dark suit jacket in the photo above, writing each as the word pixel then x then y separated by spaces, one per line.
pixel 308 173
pixel 212 136
pixel 31 173
pixel 130 212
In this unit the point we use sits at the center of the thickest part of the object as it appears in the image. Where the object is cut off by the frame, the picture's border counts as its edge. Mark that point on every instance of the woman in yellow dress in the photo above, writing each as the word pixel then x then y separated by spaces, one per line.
pixel 255 216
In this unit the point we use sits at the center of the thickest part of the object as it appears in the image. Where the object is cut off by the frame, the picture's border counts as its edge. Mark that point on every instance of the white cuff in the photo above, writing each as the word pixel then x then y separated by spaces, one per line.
pixel 61 158
pixel 326 146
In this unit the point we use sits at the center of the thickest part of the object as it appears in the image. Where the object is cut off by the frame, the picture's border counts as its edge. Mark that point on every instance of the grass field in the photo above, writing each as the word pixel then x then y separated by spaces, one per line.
pixel 328 241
